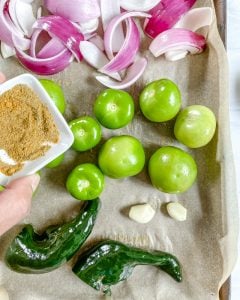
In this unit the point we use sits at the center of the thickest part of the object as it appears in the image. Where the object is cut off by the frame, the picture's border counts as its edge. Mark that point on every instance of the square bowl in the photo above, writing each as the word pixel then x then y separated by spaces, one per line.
pixel 65 139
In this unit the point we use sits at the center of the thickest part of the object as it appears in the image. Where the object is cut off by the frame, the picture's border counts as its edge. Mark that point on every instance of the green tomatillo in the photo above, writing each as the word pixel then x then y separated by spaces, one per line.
pixel 114 108
pixel 87 133
pixel 55 92
pixel 195 126
pixel 85 182
pixel 172 170
pixel 160 100
pixel 121 156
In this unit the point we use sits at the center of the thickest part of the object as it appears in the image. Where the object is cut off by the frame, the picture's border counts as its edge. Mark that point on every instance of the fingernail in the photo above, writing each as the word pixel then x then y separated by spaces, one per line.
pixel 35 181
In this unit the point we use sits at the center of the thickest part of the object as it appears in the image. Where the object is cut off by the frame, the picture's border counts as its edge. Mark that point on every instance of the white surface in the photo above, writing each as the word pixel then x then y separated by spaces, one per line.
pixel 66 136
pixel 233 45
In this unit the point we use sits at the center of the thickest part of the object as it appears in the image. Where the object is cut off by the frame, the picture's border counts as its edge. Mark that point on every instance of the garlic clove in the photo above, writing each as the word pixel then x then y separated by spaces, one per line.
pixel 177 211
pixel 141 213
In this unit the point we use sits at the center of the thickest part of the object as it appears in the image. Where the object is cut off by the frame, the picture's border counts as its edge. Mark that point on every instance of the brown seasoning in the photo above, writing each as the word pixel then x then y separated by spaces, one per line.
pixel 27 128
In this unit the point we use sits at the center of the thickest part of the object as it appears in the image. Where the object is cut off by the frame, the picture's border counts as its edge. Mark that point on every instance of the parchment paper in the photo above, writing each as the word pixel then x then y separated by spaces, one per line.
pixel 205 244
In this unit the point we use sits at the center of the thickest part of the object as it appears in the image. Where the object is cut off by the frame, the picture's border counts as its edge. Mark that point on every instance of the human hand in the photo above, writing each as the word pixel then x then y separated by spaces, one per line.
pixel 15 201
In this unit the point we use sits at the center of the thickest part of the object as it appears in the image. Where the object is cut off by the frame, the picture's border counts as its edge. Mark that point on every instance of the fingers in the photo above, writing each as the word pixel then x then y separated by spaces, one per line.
pixel 15 201
pixel 2 77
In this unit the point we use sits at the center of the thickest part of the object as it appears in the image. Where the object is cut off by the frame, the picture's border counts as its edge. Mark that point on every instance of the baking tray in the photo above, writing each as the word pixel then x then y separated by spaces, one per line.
pixel 221 11
pixel 40 215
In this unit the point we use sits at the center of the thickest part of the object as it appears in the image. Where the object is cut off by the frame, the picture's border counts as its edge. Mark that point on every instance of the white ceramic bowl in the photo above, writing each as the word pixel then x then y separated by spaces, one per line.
pixel 66 136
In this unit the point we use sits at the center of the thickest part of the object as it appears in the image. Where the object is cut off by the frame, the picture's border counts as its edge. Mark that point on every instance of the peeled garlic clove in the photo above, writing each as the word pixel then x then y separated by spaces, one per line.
pixel 141 213
pixel 177 211
pixel 3 293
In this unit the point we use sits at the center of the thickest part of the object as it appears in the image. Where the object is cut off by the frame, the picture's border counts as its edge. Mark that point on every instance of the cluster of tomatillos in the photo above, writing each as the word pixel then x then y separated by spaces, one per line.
pixel 171 169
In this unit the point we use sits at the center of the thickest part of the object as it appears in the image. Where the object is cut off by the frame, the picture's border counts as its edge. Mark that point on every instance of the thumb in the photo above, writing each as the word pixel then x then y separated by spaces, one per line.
pixel 2 77
pixel 15 201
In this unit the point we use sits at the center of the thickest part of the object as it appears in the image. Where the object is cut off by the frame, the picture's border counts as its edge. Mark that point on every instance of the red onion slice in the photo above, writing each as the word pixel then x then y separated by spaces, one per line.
pixel 34 38
pixel 127 53
pixel 74 10
pixel 12 14
pixel 47 66
pixel 8 29
pixel 166 14
pixel 136 5
pixel 39 12
pixel 95 57
pixel 192 20
pixel 64 30
pixel 6 50
pixel 52 48
pixel 98 41
pixel 175 55
pixel 25 17
pixel 177 39
pixel 110 31
pixel 134 72
pixel 89 26
pixel 109 10
pixel 196 18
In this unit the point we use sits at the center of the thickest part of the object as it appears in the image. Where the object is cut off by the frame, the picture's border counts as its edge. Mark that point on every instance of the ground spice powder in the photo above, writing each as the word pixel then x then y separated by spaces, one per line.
pixel 27 128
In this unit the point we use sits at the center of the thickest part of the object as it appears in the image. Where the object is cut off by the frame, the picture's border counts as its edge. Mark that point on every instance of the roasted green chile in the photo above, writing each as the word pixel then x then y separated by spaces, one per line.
pixel 33 253
pixel 110 262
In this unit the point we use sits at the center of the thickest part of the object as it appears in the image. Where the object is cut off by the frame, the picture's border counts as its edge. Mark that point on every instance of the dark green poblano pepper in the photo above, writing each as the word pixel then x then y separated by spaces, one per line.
pixel 33 253
pixel 110 262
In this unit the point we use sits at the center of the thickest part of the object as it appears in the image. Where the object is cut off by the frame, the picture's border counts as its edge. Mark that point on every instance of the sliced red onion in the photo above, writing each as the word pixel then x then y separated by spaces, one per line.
pixel 13 15
pixel 52 48
pixel 110 31
pixel 74 10
pixel 89 26
pixel 175 55
pixel 6 50
pixel 98 41
pixel 192 20
pixel 34 38
pixel 25 16
pixel 177 39
pixel 127 53
pixel 47 66
pixel 95 57
pixel 134 72
pixel 109 10
pixel 64 30
pixel 196 18
pixel 166 14
pixel 8 29
pixel 136 5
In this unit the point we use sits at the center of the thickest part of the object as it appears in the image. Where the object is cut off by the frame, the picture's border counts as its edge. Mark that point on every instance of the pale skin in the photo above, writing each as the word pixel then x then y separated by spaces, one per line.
pixel 15 200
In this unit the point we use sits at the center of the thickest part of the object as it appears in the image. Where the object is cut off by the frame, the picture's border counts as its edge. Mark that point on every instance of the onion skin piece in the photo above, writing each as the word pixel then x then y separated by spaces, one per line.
pixel 64 30
pixel 166 14
pixel 177 39
pixel 74 10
